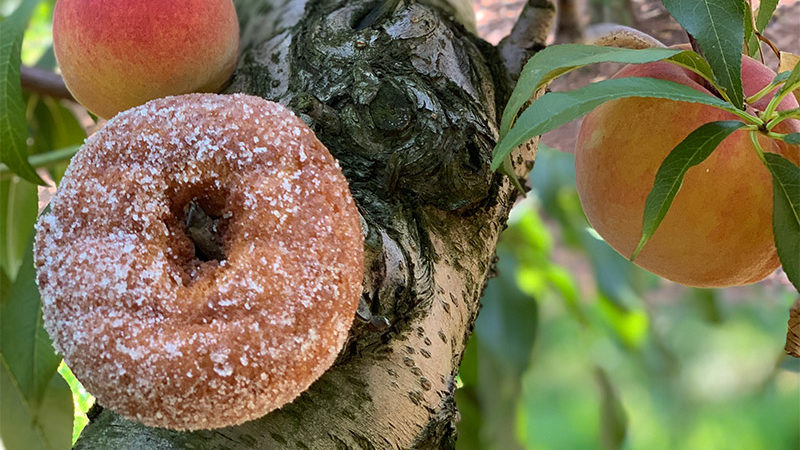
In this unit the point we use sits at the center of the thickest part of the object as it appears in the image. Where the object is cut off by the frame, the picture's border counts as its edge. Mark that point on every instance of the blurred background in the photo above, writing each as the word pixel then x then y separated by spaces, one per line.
pixel 575 348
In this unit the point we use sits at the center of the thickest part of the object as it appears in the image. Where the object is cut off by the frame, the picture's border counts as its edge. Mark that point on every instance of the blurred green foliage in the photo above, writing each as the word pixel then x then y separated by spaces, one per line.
pixel 612 356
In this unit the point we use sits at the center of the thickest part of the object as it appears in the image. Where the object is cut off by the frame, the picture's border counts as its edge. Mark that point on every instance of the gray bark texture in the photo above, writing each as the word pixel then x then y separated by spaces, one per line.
pixel 409 105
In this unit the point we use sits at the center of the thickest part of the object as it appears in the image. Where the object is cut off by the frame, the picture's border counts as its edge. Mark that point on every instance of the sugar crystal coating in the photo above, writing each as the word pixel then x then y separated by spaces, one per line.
pixel 170 340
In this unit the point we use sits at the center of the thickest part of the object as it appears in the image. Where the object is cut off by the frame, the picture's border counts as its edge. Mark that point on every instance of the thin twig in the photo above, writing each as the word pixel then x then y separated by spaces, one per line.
pixel 44 82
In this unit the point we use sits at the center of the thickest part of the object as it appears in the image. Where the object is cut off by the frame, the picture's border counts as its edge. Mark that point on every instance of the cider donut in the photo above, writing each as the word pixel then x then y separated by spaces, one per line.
pixel 164 331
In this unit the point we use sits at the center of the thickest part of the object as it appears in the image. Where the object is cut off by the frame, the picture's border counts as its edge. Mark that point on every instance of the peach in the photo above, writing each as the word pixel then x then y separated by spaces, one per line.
pixel 718 231
pixel 117 54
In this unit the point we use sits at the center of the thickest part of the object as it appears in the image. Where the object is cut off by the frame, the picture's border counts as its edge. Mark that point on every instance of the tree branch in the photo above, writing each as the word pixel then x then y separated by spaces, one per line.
pixel 529 34
pixel 44 82
pixel 409 107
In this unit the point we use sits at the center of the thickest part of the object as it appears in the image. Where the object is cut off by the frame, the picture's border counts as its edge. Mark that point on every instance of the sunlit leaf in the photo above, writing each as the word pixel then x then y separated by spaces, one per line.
pixel 693 150
pixel 718 27
pixel 82 400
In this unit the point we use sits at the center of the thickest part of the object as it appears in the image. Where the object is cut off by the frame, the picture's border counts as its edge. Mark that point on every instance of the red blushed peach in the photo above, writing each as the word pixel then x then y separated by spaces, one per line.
pixel 718 231
pixel 117 54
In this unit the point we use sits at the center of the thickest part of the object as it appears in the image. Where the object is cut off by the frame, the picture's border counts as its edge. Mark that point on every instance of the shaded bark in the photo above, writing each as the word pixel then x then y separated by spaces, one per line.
pixel 410 107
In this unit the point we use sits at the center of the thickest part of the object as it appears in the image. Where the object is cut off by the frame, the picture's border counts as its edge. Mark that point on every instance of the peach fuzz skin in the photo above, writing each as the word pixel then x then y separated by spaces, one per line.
pixel 117 54
pixel 718 231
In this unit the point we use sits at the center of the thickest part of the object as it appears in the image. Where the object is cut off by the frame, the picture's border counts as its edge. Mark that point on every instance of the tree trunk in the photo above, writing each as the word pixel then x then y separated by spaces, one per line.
pixel 409 105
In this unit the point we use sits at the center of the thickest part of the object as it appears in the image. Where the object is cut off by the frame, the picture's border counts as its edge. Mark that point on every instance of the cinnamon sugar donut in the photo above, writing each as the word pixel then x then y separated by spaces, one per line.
pixel 169 333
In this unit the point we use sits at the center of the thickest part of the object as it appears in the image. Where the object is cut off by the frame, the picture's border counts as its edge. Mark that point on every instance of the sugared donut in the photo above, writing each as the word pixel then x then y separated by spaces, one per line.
pixel 171 334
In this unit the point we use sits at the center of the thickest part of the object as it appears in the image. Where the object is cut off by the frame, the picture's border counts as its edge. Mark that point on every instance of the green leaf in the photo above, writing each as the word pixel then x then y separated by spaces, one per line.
pixel 83 400
pixel 13 130
pixel 613 418
pixel 18 208
pixel 557 108
pixel 765 10
pixel 36 406
pixel 786 214
pixel 749 34
pixel 46 425
pixel 779 78
pixel 792 139
pixel 557 60
pixel 48 60
pixel 52 126
pixel 693 150
pixel 466 396
pixel 695 63
pixel 718 27
pixel 497 354
pixel 507 322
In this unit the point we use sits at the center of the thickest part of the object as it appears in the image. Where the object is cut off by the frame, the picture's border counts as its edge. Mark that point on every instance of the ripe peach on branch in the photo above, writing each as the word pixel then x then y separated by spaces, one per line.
pixel 117 54
pixel 718 230
pixel 651 124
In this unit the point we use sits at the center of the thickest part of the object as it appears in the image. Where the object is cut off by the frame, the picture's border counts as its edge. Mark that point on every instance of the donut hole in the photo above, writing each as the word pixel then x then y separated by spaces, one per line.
pixel 199 223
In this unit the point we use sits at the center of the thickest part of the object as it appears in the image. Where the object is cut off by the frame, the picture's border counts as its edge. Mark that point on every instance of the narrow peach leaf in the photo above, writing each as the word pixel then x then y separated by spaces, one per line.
pixel 693 150
pixel 557 108
pixel 786 214
pixel 13 129
pixel 719 28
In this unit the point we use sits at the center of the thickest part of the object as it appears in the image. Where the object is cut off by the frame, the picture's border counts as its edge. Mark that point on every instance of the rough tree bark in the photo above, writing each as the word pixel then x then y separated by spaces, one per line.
pixel 409 105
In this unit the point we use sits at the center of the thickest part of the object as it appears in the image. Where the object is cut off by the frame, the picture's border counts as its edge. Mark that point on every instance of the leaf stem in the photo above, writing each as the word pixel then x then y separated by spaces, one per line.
pixel 757 146
pixel 783 115
pixel 44 159
pixel 773 104
pixel 765 90
pixel 774 135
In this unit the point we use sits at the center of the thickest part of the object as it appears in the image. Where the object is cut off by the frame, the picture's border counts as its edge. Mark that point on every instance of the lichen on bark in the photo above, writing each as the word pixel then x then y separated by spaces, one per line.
pixel 409 106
